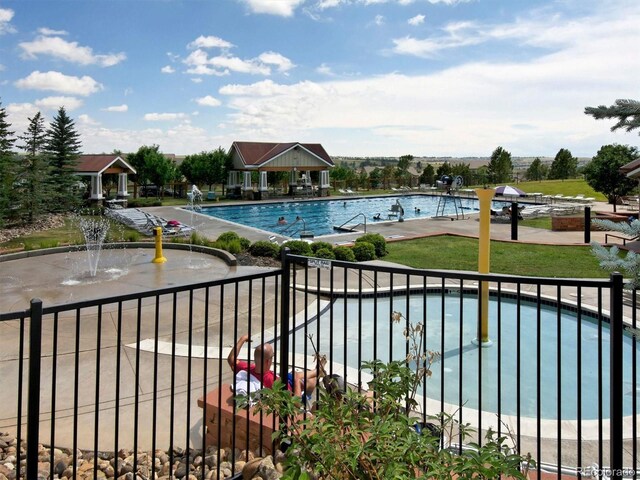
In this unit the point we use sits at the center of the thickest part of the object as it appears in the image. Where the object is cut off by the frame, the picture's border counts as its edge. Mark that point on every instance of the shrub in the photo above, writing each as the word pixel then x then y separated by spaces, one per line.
pixel 298 247
pixel 263 248
pixel 228 236
pixel 377 241
pixel 364 251
pixel 344 253
pixel 325 253
pixel 231 246
pixel 132 237
pixel 315 246
pixel 197 239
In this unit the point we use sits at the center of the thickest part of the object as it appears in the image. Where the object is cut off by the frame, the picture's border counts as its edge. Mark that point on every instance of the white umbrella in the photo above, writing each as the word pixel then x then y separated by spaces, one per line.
pixel 509 190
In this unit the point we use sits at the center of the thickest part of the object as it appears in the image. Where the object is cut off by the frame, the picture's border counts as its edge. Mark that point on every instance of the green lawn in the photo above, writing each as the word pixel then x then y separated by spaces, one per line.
pixel 459 253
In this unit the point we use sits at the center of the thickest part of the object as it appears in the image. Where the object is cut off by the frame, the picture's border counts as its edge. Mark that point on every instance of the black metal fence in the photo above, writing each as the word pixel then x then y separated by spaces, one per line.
pixel 558 377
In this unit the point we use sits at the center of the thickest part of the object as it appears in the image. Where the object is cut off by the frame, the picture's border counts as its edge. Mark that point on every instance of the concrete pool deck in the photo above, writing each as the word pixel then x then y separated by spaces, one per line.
pixel 211 228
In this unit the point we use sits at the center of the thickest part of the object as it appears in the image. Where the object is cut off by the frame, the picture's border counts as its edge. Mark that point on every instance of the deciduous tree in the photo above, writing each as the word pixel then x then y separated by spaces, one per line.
pixel 564 166
pixel 603 171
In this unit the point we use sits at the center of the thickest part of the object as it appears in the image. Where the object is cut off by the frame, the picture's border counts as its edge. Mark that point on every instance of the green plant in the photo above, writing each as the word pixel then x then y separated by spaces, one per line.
pixel 611 260
pixel 377 241
pixel 228 236
pixel 344 253
pixel 325 253
pixel 298 247
pixel 264 248
pixel 315 246
pixel 231 246
pixel 132 236
pixel 364 251
pixel 49 243
pixel 373 435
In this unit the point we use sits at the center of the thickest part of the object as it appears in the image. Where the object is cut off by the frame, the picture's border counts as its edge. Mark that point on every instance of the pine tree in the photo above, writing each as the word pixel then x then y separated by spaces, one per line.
pixel 63 148
pixel 34 170
pixel 626 111
pixel 500 168
pixel 7 168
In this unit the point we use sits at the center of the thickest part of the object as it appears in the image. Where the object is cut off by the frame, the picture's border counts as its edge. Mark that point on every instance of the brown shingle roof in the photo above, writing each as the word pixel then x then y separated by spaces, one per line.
pixel 257 153
pixel 98 163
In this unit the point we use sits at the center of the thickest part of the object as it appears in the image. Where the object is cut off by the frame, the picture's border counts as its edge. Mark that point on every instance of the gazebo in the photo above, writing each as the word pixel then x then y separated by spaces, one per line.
pixel 94 166
pixel 300 159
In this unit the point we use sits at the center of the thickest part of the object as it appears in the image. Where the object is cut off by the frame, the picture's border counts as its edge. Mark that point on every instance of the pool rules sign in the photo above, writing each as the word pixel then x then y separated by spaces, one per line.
pixel 319 263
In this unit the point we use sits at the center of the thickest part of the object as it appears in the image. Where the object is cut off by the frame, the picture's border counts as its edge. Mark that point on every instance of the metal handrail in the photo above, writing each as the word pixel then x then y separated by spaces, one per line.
pixel 353 218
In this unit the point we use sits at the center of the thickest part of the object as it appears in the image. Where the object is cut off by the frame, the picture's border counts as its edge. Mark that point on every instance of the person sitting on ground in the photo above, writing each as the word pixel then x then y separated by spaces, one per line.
pixel 301 384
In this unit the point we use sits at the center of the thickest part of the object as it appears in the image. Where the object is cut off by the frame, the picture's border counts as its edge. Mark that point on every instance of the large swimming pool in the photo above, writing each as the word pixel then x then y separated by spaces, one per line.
pixel 320 216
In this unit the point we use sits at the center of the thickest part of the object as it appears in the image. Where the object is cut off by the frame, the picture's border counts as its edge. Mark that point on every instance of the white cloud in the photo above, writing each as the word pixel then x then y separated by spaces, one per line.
pixel 196 80
pixel 325 69
pixel 6 15
pixel 58 82
pixel 209 42
pixel 281 62
pixel 54 103
pixel 379 20
pixel 162 117
pixel 116 108
pixel 69 51
pixel 49 31
pixel 417 20
pixel 208 101
pixel 283 8
pixel 87 120
pixel 167 69
pixel 200 63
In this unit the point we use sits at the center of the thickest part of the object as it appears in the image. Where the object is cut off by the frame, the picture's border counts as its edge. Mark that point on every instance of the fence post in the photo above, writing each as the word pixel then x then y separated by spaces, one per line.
pixel 616 366
pixel 514 220
pixel 284 314
pixel 587 224
pixel 33 405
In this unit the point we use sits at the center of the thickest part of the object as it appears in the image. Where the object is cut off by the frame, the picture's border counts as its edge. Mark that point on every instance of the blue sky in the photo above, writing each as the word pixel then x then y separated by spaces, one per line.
pixel 362 77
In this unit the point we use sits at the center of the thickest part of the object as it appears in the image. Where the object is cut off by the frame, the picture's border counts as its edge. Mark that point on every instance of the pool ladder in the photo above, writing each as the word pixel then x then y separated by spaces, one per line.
pixel 352 228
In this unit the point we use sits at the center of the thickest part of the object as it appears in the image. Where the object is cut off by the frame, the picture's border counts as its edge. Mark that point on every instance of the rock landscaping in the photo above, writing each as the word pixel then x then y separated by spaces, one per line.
pixel 212 465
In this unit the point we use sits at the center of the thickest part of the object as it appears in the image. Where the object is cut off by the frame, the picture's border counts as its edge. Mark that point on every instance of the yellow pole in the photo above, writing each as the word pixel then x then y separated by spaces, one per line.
pixel 157 232
pixel 485 195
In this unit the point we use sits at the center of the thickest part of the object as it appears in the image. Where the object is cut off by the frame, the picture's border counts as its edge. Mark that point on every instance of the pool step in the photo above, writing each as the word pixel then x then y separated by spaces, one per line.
pixel 345 228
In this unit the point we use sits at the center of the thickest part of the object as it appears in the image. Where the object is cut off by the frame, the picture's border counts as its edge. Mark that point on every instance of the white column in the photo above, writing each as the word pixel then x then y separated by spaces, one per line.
pixel 231 179
pixel 247 181
pixel 307 178
pixel 96 187
pixel 122 185
pixel 263 186
pixel 324 179
pixel 293 179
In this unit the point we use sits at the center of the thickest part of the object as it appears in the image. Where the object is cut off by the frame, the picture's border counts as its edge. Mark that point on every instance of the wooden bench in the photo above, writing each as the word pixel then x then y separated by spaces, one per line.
pixel 222 413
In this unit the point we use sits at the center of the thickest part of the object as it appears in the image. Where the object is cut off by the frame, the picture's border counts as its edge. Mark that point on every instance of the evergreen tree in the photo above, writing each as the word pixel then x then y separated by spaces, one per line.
pixel 626 111
pixel 564 166
pixel 428 175
pixel 7 168
pixel 63 148
pixel 500 168
pixel 34 170
pixel 537 171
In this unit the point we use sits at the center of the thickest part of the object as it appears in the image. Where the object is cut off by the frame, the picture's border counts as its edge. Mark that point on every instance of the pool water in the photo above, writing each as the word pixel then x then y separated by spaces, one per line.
pixel 320 216
pixel 460 355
